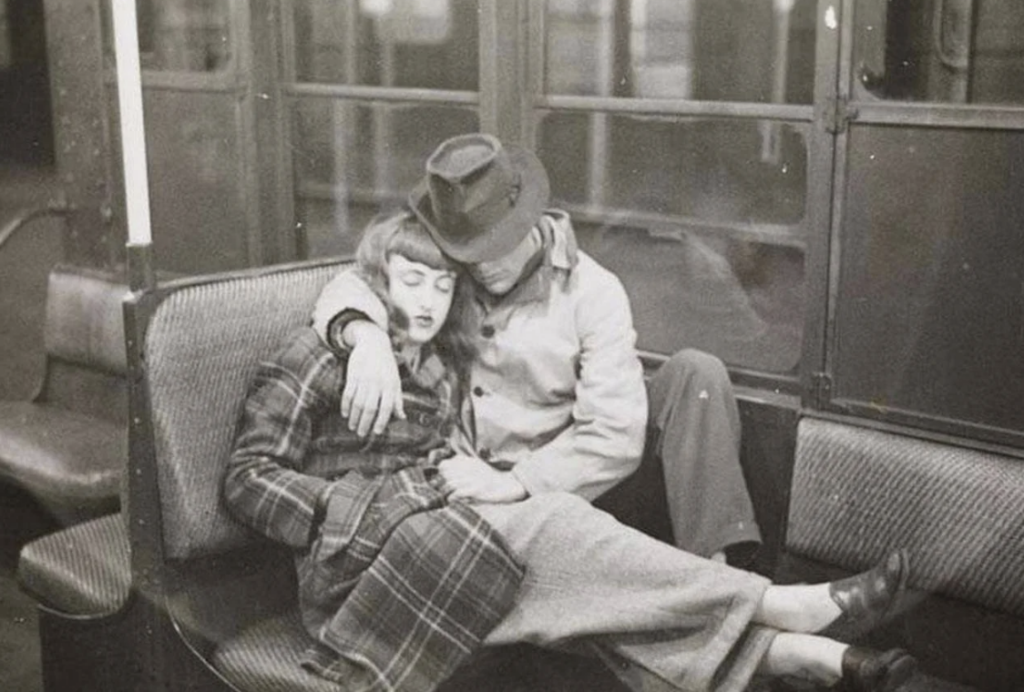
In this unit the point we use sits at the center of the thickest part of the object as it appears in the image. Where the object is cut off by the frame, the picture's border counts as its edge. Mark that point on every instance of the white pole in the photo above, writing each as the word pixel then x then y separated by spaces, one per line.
pixel 133 133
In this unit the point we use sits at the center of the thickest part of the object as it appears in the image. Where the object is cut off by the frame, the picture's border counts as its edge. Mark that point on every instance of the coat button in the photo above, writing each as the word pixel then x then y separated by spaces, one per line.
pixel 485 454
pixel 487 331
pixel 478 391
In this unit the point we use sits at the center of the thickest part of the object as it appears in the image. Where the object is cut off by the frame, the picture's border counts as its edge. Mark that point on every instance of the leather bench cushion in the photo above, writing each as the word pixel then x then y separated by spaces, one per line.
pixel 81 570
pixel 71 463
pixel 85 319
pixel 858 492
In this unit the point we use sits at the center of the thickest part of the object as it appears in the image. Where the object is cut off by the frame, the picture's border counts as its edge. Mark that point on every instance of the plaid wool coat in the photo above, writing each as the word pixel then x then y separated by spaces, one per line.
pixel 396 586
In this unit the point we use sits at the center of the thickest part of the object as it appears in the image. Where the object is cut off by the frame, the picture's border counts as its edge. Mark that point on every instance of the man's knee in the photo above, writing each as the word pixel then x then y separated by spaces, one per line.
pixel 686 369
pixel 691 363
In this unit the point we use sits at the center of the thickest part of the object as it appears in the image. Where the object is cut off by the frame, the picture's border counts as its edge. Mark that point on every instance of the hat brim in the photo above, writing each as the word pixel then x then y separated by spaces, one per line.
pixel 508 233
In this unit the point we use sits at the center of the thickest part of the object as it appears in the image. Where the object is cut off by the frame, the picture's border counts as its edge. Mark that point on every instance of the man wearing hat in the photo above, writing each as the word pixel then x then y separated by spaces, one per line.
pixel 558 399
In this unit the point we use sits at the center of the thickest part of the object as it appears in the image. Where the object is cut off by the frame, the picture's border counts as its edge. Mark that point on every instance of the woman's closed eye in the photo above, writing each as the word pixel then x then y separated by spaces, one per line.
pixel 412 278
pixel 445 284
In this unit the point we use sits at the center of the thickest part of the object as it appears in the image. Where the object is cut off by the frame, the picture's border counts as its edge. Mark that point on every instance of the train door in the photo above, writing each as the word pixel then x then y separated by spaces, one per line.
pixel 926 324
pixel 200 98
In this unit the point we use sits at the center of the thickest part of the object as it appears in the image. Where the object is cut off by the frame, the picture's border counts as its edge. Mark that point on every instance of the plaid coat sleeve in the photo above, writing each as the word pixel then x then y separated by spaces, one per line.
pixel 264 485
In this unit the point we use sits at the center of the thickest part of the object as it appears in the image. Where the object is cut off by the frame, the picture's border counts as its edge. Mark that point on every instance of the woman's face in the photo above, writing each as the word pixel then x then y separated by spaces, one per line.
pixel 422 294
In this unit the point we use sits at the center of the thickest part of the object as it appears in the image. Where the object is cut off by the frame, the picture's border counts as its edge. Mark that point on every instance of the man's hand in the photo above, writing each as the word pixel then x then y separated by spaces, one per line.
pixel 373 390
pixel 473 480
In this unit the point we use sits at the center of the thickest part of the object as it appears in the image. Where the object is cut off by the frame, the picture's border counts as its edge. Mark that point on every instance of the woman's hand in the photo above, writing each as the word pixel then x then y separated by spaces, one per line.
pixel 373 389
pixel 472 480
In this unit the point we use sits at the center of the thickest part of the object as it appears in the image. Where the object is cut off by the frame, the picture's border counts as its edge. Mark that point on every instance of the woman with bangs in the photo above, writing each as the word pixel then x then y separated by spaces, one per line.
pixel 395 258
pixel 397 585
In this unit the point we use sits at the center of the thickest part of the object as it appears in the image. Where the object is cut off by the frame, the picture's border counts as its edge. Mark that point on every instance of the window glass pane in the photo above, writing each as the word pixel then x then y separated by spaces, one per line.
pixel 742 172
pixel 180 35
pixel 741 300
pixel 428 44
pixel 352 160
pixel 721 50
pixel 930 303
pixel 197 191
pixel 702 221
pixel 957 51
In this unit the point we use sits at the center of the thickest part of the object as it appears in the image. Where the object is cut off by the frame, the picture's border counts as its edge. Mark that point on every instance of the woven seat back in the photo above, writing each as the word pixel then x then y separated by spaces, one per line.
pixel 202 347
pixel 857 493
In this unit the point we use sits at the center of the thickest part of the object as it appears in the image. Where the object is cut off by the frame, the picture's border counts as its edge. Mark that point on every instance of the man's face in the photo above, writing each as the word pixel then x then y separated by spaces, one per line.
pixel 422 294
pixel 499 276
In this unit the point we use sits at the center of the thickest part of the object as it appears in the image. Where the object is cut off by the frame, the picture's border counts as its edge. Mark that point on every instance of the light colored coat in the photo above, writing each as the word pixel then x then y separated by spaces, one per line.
pixel 557 386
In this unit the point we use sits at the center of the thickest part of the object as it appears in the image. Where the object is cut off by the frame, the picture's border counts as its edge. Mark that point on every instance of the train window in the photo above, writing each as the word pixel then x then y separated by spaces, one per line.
pixel 930 300
pixel 715 170
pixel 725 50
pixel 196 169
pixel 704 229
pixel 181 35
pixel 342 181
pixel 412 43
pixel 356 153
pixel 704 218
pixel 946 51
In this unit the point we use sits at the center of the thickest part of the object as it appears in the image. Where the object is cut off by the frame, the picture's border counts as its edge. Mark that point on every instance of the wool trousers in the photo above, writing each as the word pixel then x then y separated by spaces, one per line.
pixel 690 490
pixel 694 432
pixel 662 618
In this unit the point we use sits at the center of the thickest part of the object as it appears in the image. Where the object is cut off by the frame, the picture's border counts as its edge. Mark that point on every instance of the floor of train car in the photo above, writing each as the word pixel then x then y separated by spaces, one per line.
pixel 24 265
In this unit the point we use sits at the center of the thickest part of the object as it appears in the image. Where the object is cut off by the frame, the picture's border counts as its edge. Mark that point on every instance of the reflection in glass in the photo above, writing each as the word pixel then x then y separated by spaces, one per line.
pixel 352 160
pixel 694 288
pixel 181 35
pixel 699 221
pixel 931 307
pixel 430 44
pixel 718 170
pixel 716 50
pixel 952 51
pixel 198 198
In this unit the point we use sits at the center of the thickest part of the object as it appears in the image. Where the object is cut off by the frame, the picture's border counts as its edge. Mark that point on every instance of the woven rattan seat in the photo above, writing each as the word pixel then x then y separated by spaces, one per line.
pixel 80 570
pixel 265 658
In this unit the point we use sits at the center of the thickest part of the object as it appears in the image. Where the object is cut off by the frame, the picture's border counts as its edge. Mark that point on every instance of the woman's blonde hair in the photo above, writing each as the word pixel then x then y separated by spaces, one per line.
pixel 402 234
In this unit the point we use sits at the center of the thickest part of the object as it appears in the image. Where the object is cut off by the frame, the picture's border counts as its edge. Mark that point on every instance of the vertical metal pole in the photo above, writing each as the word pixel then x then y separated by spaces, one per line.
pixel 133 144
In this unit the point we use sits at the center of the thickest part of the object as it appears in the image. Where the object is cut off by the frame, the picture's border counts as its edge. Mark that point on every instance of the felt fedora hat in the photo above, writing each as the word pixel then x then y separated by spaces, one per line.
pixel 478 198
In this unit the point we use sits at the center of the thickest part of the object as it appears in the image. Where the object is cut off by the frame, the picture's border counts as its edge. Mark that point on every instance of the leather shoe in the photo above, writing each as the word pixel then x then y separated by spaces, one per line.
pixel 866 670
pixel 869 598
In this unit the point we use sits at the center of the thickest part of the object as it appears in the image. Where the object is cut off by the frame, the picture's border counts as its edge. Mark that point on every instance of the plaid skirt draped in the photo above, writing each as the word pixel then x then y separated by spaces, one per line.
pixel 400 587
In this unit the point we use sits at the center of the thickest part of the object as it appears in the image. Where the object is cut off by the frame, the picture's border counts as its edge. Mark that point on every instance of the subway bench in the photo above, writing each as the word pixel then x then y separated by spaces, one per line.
pixel 858 492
